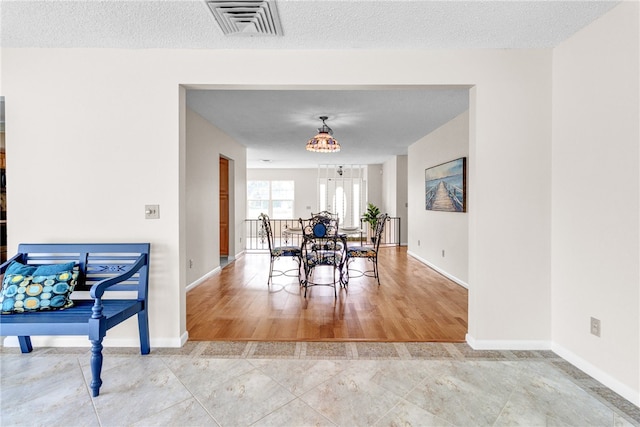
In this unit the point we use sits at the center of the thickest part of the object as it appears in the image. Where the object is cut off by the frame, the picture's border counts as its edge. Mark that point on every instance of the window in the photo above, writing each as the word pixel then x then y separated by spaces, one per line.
pixel 340 203
pixel 356 204
pixel 274 198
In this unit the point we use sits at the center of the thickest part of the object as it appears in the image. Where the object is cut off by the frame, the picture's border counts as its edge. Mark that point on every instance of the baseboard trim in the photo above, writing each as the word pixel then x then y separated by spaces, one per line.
pixel 507 344
pixel 199 281
pixel 184 338
pixel 623 390
pixel 439 270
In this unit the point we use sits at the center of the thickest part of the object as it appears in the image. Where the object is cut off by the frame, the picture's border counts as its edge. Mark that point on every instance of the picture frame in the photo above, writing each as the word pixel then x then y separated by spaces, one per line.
pixel 446 186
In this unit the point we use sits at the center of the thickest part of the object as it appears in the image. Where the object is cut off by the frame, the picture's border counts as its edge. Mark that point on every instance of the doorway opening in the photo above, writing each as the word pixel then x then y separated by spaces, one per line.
pixel 224 211
pixel 342 187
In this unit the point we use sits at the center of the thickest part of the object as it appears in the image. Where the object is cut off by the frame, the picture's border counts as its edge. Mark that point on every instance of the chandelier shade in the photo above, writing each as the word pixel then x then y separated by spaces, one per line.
pixel 323 142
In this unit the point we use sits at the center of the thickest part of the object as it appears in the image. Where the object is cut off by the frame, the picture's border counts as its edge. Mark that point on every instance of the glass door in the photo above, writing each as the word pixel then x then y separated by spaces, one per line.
pixel 340 190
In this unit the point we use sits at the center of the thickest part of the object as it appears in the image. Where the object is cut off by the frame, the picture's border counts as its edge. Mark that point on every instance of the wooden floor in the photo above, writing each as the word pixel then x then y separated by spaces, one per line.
pixel 412 303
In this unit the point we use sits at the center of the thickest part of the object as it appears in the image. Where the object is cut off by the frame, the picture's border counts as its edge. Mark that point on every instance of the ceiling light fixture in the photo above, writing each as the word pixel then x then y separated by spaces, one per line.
pixel 323 142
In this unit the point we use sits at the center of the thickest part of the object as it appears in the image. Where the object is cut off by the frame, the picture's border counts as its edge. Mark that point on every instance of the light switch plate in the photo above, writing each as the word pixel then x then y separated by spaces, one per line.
pixel 151 211
pixel 595 326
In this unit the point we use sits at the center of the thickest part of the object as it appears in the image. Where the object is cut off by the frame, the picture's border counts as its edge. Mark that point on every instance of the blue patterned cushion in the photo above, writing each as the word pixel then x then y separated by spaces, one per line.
pixel 327 258
pixel 286 251
pixel 27 293
pixel 329 245
pixel 361 252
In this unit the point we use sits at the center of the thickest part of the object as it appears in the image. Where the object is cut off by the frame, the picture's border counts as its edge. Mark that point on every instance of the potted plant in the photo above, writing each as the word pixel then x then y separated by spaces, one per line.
pixel 371 217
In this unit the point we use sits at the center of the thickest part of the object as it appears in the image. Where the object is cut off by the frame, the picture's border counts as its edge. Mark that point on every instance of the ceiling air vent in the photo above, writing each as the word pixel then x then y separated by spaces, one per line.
pixel 246 17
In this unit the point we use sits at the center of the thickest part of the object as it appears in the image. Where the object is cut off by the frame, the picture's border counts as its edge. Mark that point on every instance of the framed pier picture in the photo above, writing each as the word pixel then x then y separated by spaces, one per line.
pixel 445 186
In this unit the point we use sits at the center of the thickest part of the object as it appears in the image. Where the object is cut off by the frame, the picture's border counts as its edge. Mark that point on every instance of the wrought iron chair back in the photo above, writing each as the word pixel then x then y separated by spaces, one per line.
pixel 368 252
pixel 322 246
pixel 325 216
pixel 381 220
pixel 276 252
pixel 320 225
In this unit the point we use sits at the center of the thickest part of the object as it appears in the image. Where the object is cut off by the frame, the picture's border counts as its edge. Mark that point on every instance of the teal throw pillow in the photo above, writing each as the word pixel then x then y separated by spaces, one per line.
pixel 46 270
pixel 28 293
pixel 18 268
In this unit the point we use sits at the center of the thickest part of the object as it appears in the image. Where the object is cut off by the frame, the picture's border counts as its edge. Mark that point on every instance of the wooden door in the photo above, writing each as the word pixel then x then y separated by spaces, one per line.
pixel 224 207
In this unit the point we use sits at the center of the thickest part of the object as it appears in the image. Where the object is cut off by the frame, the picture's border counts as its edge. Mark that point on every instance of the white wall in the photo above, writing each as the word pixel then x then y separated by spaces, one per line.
pixel 431 231
pixel 373 175
pixel 402 196
pixel 389 186
pixel 306 187
pixel 596 186
pixel 394 192
pixel 204 145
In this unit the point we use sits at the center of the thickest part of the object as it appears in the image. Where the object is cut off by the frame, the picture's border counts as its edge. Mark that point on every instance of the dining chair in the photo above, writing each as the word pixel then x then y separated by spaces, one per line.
pixel 325 216
pixel 322 245
pixel 276 252
pixel 369 253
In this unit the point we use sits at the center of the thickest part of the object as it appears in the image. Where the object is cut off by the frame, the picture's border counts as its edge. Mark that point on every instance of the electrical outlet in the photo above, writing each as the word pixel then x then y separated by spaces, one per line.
pixel 595 326
pixel 418 242
pixel 190 263
pixel 443 253
pixel 152 211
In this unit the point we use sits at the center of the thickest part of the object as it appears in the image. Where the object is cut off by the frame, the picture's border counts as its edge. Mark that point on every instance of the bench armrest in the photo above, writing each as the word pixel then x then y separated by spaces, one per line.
pixel 98 289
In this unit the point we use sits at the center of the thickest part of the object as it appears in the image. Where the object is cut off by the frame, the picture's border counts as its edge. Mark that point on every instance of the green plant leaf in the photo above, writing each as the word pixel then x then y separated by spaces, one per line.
pixel 371 215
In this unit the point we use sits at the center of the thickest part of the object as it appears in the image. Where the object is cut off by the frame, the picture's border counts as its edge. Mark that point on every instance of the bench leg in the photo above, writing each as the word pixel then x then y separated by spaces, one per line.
pixel 143 330
pixel 25 344
pixel 96 366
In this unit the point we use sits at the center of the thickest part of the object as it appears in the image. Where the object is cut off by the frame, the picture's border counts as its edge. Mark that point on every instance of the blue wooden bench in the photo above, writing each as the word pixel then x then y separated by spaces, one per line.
pixel 101 267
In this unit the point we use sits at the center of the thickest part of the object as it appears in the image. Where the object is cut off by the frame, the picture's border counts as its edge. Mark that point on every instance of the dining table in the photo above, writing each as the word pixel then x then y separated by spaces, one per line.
pixel 342 234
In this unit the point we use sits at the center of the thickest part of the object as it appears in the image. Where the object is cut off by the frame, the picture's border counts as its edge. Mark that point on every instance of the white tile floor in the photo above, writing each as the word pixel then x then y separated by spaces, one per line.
pixel 303 384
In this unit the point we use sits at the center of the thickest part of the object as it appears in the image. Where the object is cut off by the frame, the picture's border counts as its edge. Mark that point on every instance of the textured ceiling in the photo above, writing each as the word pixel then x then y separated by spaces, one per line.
pixel 315 24
pixel 274 125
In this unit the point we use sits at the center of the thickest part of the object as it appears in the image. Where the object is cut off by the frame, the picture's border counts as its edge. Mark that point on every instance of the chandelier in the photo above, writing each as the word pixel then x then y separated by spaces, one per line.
pixel 323 142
